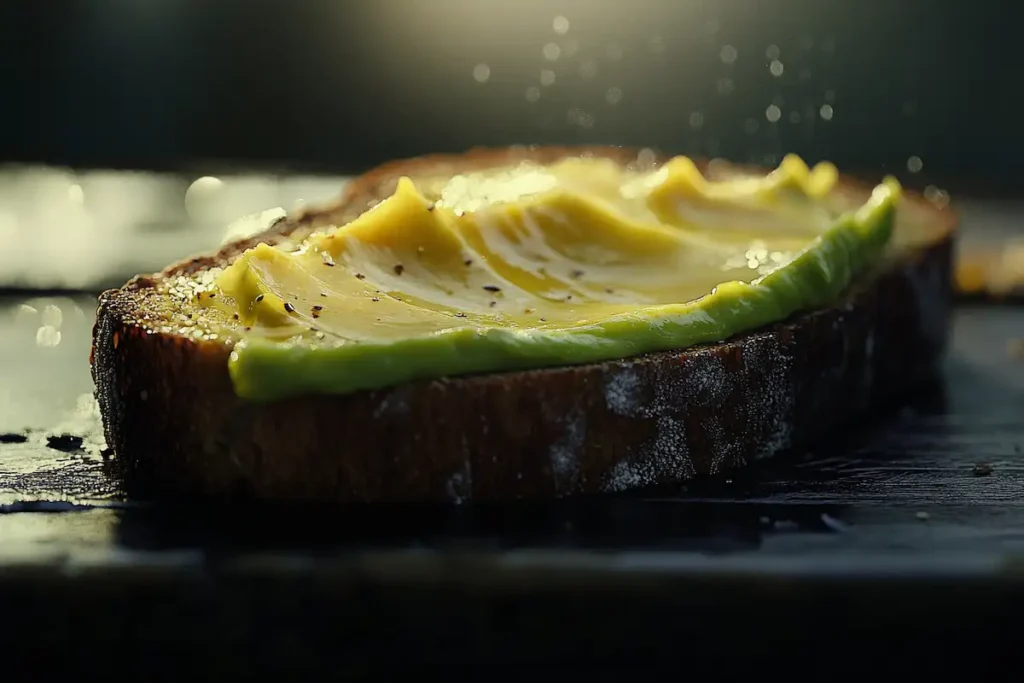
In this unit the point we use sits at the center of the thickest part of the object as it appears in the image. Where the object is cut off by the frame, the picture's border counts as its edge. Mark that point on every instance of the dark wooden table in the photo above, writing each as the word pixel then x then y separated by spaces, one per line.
pixel 907 530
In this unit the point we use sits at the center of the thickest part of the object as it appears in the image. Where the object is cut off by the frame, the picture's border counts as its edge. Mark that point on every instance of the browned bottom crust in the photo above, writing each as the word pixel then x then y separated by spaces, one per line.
pixel 176 427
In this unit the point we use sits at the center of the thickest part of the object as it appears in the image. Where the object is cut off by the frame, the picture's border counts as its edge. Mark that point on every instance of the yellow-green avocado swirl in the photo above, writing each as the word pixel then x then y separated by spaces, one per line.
pixel 536 266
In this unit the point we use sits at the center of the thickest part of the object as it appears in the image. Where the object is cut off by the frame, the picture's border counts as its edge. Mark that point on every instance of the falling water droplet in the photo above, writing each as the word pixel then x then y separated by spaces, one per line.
pixel 936 196
pixel 826 112
pixel 578 117
pixel 547 77
pixel 772 52
pixel 777 68
pixel 552 52
pixel 914 164
pixel 613 95
pixel 560 25
pixel 772 113
pixel 646 158
pixel 696 120
pixel 532 93
pixel 588 69
pixel 728 54
pixel 481 73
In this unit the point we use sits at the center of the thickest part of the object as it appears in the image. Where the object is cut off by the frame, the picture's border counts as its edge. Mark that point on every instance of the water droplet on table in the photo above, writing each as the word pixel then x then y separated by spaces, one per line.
pixel 48 336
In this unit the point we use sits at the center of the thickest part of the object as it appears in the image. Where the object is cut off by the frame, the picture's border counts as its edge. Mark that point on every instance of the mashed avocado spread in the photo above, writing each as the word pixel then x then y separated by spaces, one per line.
pixel 531 266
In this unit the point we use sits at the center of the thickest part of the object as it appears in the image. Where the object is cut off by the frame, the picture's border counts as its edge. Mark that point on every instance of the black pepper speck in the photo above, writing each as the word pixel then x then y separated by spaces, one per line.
pixel 399 269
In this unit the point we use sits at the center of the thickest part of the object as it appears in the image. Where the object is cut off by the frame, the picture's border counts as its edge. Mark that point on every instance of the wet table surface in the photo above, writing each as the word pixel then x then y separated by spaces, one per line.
pixel 933 489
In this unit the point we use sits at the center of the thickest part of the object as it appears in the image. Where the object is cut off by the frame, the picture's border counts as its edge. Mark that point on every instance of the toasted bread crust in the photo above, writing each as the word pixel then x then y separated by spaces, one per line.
pixel 176 426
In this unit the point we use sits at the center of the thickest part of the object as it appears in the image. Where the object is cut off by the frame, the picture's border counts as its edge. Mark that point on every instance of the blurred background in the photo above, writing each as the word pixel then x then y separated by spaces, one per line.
pixel 238 106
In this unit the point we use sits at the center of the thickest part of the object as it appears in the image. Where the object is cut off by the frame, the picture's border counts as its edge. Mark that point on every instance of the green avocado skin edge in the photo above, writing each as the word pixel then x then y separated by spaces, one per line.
pixel 264 371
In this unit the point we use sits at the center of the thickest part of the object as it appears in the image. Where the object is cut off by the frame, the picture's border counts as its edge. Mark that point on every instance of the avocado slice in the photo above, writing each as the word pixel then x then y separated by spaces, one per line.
pixel 541 266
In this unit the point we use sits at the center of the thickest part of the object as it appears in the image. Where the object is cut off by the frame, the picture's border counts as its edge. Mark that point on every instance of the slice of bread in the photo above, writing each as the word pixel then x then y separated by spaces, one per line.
pixel 176 426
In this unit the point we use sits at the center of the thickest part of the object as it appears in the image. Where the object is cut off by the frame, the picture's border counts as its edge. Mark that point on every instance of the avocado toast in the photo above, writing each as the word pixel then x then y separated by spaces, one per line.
pixel 200 410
